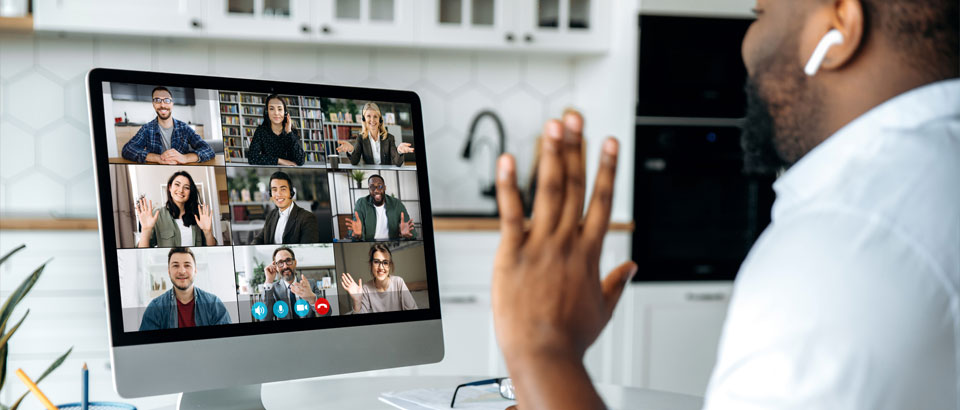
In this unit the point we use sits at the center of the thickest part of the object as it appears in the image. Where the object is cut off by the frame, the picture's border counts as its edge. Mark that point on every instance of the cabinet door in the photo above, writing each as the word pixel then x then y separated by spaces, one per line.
pixel 465 23
pixel 368 22
pixel 564 25
pixel 469 343
pixel 260 19
pixel 143 17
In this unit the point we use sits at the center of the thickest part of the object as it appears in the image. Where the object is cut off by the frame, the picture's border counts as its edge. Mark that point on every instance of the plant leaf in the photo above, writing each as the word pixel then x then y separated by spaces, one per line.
pixel 53 366
pixel 15 250
pixel 3 349
pixel 5 337
pixel 19 294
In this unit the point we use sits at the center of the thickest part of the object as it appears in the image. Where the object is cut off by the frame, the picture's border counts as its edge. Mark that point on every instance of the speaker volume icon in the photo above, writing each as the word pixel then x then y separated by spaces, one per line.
pixel 259 310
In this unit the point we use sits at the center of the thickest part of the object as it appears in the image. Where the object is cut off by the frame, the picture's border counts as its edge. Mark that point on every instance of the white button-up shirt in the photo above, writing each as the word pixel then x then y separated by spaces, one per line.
pixel 282 224
pixel 849 298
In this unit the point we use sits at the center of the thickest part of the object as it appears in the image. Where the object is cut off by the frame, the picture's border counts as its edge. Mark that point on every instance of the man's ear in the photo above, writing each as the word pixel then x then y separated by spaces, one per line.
pixel 845 16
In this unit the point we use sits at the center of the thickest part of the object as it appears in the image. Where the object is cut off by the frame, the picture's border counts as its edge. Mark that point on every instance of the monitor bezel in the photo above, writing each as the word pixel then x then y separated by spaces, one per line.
pixel 95 80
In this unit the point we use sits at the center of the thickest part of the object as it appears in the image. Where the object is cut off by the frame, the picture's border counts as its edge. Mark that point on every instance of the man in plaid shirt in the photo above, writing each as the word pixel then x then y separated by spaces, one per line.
pixel 166 140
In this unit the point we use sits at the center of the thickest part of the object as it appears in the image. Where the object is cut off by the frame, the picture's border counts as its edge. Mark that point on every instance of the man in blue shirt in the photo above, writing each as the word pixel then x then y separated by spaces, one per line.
pixel 185 305
pixel 166 140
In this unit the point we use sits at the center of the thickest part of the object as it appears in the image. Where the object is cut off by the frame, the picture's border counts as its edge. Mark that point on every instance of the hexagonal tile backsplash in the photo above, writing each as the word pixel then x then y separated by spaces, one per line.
pixel 45 162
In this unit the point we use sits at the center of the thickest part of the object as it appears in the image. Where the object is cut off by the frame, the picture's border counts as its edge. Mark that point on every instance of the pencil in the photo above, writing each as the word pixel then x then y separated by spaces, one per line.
pixel 84 394
pixel 36 390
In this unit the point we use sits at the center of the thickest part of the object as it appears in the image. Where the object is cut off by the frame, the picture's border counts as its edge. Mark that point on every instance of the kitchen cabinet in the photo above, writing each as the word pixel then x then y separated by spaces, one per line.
pixel 130 17
pixel 548 25
pixel 259 19
pixel 365 22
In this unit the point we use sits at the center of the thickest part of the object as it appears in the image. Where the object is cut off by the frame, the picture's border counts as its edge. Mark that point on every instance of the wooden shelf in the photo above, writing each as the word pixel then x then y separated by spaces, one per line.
pixel 16 24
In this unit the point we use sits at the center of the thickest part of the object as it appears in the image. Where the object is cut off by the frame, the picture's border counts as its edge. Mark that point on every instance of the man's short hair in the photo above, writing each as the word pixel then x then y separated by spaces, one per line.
pixel 375 176
pixel 180 249
pixel 160 88
pixel 928 32
pixel 281 176
pixel 283 248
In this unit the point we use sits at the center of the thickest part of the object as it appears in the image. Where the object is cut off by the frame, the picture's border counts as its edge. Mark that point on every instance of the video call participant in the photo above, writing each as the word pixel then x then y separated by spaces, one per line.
pixel 289 289
pixel 184 305
pixel 183 220
pixel 386 293
pixel 275 142
pixel 380 217
pixel 166 140
pixel 287 223
pixel 374 145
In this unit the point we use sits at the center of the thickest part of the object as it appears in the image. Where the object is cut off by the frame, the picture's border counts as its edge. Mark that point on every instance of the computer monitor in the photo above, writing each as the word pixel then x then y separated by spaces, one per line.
pixel 257 231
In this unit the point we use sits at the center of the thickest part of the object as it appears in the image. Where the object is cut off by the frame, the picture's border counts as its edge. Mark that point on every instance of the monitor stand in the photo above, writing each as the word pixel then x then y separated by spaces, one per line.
pixel 234 398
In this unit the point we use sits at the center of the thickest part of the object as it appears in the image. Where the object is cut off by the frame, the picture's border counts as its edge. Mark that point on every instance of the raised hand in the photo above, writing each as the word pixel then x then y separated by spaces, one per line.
pixel 205 218
pixel 406 227
pixel 355 289
pixel 355 225
pixel 302 289
pixel 289 127
pixel 404 147
pixel 345 146
pixel 270 273
pixel 542 334
pixel 146 215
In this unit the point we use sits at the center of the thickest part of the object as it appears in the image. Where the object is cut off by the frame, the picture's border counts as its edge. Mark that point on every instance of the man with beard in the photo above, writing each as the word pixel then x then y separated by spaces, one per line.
pixel 166 140
pixel 289 289
pixel 380 217
pixel 185 305
pixel 849 299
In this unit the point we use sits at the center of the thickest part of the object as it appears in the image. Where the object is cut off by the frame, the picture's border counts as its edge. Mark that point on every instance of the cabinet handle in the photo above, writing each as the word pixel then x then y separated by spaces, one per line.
pixel 197 24
pixel 706 297
pixel 528 38
pixel 325 29
pixel 459 300
pixel 510 37
pixel 305 28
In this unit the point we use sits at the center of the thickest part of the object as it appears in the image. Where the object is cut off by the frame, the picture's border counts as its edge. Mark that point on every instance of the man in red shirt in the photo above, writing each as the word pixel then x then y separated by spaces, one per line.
pixel 185 305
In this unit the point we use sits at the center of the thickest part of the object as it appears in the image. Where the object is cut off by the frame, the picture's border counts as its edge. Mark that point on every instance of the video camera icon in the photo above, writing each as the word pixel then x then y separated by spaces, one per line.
pixel 281 309
pixel 302 308
pixel 259 310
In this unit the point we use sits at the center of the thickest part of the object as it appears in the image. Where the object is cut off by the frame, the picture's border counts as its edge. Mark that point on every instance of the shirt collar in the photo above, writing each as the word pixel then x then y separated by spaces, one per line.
pixel 286 213
pixel 821 166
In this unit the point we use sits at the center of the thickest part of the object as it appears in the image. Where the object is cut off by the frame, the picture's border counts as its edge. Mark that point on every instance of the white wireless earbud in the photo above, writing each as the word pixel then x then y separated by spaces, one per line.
pixel 832 38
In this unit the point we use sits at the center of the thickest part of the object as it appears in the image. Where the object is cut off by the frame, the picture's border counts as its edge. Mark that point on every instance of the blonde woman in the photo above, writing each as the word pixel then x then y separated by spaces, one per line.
pixel 375 146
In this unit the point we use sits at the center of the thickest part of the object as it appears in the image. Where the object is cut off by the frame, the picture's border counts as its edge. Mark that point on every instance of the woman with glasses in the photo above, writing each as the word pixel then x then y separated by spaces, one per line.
pixel 386 293
pixel 275 142
pixel 182 221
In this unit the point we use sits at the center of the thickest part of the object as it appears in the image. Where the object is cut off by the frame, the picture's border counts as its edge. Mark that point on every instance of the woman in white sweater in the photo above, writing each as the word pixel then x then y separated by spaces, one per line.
pixel 386 293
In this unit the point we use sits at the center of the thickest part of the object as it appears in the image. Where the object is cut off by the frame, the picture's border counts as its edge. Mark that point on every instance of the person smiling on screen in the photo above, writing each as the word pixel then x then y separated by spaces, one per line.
pixel 166 140
pixel 185 305
pixel 275 142
pixel 183 220
pixel 374 145
pixel 386 293
pixel 380 217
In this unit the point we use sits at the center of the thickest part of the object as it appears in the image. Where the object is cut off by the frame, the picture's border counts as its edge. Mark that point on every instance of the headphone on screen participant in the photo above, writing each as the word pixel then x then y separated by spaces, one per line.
pixel 283 177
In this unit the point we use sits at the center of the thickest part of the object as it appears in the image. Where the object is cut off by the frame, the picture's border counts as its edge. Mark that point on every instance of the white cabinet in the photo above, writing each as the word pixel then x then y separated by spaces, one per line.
pixel 548 25
pixel 136 17
pixel 367 22
pixel 259 19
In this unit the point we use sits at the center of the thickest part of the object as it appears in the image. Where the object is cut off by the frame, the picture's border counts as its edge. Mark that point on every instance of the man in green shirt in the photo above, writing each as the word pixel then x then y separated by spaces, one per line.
pixel 380 217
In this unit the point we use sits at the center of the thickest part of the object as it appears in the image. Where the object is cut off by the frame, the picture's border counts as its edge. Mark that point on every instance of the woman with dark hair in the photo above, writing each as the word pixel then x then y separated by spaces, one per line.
pixel 386 293
pixel 183 220
pixel 275 142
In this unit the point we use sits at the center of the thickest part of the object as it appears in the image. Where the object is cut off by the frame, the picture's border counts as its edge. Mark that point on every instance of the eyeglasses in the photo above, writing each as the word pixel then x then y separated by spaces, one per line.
pixel 288 262
pixel 379 262
pixel 504 383
pixel 377 187
pixel 163 100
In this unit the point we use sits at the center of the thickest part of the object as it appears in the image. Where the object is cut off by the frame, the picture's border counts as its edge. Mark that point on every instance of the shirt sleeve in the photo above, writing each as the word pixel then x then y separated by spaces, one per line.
pixel 296 147
pixel 357 153
pixel 395 157
pixel 198 145
pixel 136 148
pixel 836 311
pixel 406 298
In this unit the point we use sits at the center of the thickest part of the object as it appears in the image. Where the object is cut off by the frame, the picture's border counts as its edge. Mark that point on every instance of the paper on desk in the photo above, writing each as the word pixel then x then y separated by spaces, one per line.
pixel 470 397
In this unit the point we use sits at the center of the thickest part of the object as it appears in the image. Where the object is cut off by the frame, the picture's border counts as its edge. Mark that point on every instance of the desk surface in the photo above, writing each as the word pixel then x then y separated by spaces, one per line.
pixel 217 160
pixel 348 393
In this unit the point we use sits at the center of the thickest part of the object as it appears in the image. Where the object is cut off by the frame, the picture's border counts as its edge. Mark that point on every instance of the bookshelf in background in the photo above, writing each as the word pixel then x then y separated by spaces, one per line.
pixel 242 112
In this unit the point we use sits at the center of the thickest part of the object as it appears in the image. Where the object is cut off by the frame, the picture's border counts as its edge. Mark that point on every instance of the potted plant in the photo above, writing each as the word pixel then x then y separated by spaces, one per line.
pixel 5 312
pixel 358 175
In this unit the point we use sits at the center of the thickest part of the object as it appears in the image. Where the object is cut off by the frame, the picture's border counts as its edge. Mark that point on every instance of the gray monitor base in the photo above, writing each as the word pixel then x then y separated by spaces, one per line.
pixel 234 398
